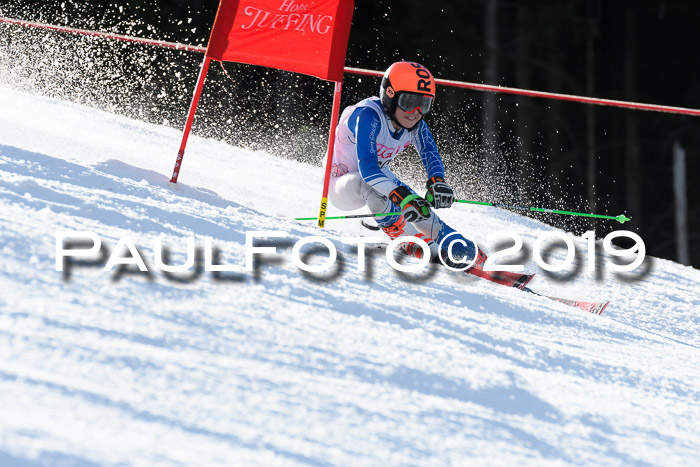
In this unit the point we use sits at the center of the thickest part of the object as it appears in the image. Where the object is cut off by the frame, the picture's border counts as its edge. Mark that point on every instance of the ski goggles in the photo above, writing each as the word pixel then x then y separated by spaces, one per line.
pixel 410 102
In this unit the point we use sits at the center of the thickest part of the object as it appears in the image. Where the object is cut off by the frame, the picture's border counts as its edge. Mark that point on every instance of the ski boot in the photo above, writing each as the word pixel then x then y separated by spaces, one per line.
pixel 401 228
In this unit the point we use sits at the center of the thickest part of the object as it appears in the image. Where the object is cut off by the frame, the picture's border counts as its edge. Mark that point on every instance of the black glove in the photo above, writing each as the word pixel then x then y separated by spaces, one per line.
pixel 440 194
pixel 413 207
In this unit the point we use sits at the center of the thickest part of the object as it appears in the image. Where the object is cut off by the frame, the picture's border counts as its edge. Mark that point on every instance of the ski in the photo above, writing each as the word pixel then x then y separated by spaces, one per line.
pixel 374 227
pixel 520 281
pixel 516 280
pixel 591 307
pixel 509 279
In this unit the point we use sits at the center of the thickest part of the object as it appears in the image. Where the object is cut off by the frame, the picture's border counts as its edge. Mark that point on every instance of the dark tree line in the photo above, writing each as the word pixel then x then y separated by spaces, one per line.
pixel 559 153
pixel 497 147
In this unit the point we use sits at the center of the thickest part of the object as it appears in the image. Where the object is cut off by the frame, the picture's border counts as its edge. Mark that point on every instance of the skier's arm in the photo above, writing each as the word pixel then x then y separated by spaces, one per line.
pixel 366 125
pixel 440 193
pixel 425 144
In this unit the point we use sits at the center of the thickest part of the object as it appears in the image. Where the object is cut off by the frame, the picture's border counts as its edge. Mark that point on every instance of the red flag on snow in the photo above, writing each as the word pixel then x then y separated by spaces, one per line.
pixel 303 36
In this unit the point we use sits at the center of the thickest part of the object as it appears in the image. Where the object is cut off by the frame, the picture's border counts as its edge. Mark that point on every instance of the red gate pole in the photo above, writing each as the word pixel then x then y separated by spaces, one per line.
pixel 190 117
pixel 329 156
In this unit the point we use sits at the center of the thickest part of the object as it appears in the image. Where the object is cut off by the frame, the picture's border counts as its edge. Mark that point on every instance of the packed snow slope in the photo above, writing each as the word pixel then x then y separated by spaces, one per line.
pixel 279 367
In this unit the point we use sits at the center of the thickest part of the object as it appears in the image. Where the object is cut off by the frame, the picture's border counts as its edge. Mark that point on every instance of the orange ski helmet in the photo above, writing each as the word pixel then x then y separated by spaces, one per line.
pixel 409 86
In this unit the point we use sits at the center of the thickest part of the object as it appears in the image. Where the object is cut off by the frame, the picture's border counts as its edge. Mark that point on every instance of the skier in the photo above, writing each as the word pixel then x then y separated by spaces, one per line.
pixel 369 135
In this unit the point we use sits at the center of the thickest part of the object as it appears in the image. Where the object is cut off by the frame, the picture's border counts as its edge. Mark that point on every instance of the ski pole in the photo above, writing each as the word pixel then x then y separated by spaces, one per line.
pixel 352 216
pixel 621 218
